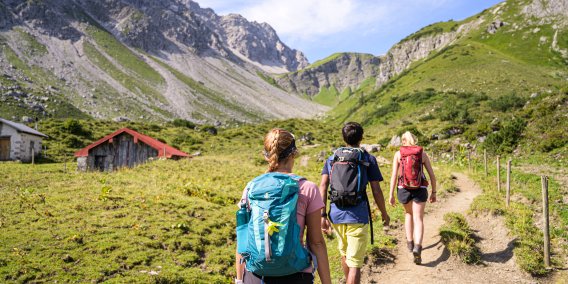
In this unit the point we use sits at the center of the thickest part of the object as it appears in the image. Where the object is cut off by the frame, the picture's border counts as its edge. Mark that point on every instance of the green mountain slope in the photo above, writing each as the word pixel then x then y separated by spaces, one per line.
pixel 477 85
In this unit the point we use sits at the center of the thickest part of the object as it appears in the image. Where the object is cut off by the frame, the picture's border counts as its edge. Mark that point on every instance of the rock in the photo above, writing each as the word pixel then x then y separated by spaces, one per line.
pixel 534 95
pixel 494 26
pixel 382 160
pixel 322 156
pixel 454 131
pixel 395 141
pixel 217 123
pixel 307 139
pixel 26 119
pixel 211 130
pixel 196 154
pixel 371 148
pixel 304 161
pixel 67 258
pixel 119 118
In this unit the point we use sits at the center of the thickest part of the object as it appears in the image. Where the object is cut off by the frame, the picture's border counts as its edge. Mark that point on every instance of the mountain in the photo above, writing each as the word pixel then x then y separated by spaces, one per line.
pixel 142 59
pixel 497 79
pixel 349 70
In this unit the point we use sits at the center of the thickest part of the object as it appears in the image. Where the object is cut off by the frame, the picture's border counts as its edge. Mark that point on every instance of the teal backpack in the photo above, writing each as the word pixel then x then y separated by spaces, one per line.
pixel 268 234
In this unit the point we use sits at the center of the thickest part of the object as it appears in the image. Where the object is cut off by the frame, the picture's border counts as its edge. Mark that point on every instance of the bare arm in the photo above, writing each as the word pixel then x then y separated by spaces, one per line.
pixel 394 176
pixel 430 171
pixel 317 246
pixel 239 266
pixel 324 183
pixel 380 201
pixel 432 176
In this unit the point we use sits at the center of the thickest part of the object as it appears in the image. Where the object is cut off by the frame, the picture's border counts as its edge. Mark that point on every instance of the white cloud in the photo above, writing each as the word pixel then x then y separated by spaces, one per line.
pixel 306 19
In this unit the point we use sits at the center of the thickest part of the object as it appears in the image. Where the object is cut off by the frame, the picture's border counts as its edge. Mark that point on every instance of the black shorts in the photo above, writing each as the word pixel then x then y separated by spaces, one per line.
pixel 296 278
pixel 405 195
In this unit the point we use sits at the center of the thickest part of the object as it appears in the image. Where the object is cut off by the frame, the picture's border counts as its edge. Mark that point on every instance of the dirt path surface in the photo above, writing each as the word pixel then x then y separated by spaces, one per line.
pixel 437 265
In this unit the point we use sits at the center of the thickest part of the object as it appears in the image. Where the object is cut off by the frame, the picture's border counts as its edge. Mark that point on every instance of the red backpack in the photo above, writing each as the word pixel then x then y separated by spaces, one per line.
pixel 411 175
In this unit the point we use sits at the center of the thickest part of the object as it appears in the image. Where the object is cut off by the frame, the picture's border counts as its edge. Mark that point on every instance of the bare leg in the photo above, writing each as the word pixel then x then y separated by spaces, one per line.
pixel 354 275
pixel 345 267
pixel 418 218
pixel 408 221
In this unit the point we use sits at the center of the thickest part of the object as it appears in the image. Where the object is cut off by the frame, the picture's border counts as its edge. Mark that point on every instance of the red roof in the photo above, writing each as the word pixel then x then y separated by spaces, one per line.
pixel 170 151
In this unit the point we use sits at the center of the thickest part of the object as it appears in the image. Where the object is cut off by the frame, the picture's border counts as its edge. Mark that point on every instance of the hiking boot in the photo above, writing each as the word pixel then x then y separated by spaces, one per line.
pixel 410 245
pixel 417 251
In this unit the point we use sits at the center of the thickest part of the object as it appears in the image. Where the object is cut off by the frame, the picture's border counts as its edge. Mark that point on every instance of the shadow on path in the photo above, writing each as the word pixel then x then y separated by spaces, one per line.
pixel 500 256
pixel 442 258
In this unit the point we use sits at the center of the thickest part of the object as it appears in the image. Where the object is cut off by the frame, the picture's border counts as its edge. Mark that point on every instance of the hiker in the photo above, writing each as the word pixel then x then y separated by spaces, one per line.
pixel 407 173
pixel 347 173
pixel 280 208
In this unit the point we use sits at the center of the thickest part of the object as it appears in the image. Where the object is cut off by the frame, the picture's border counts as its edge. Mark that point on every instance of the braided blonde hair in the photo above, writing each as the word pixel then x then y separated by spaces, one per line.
pixel 275 142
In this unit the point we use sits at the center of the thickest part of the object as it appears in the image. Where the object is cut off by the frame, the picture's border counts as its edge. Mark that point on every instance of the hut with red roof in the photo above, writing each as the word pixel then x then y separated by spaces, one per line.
pixel 123 148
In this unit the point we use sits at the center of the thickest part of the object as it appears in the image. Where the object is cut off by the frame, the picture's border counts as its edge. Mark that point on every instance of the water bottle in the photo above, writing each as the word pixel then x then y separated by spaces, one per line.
pixel 243 217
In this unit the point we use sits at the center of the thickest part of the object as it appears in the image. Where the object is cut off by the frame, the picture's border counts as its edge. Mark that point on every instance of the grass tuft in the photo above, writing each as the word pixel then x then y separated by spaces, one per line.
pixel 459 238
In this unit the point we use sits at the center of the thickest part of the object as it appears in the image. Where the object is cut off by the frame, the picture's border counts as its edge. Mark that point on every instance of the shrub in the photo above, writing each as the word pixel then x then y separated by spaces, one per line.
pixel 420 97
pixel 389 108
pixel 507 102
pixel 506 139
pixel 73 126
pixel 183 123
pixel 73 141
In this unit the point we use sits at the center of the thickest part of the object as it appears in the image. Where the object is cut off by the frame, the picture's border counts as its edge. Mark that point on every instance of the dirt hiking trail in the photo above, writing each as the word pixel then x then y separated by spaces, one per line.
pixel 438 266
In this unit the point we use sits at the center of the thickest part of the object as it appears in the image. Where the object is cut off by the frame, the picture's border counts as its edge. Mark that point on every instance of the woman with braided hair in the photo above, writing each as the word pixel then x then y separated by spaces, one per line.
pixel 280 152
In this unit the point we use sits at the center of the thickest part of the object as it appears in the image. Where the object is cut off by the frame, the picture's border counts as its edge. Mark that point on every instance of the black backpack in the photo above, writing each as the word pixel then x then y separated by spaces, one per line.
pixel 345 187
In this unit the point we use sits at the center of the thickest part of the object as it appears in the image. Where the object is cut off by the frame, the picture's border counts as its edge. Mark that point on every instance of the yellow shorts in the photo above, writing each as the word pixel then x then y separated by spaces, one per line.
pixel 352 242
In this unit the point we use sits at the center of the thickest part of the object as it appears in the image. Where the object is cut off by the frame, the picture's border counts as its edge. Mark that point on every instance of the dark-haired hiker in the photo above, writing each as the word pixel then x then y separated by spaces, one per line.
pixel 265 256
pixel 347 173
pixel 412 190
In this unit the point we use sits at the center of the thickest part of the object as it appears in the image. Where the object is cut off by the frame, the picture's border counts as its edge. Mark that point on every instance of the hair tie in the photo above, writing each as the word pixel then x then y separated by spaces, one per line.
pixel 288 151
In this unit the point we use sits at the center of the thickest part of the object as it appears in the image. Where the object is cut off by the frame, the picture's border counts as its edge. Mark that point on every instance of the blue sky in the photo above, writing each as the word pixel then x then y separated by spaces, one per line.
pixel 320 28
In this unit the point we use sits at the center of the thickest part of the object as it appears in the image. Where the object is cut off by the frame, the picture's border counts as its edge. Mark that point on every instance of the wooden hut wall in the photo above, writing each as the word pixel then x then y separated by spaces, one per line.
pixel 123 152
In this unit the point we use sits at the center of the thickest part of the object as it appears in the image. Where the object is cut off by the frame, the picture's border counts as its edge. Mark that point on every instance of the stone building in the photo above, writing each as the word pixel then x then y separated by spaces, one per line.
pixel 19 142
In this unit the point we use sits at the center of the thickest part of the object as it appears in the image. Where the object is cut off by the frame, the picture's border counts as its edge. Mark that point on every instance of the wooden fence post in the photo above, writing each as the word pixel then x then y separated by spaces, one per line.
pixel 33 156
pixel 485 161
pixel 498 175
pixel 544 181
pixel 508 182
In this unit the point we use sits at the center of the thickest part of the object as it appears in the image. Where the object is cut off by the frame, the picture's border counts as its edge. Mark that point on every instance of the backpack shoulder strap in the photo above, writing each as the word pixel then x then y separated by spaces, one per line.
pixel 297 177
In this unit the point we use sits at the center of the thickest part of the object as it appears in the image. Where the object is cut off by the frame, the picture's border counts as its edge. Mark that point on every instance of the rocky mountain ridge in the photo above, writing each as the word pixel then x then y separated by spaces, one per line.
pixel 145 59
pixel 350 70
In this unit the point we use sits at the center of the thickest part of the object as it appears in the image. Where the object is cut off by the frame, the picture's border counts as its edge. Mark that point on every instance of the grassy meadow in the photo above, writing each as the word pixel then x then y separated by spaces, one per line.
pixel 161 222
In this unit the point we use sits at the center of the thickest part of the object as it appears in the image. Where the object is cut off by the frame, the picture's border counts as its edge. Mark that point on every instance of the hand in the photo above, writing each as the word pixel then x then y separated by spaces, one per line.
pixel 386 219
pixel 326 226
pixel 433 197
pixel 392 201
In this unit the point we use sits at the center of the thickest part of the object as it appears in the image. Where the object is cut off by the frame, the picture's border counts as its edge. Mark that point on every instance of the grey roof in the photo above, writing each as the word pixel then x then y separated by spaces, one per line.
pixel 22 128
